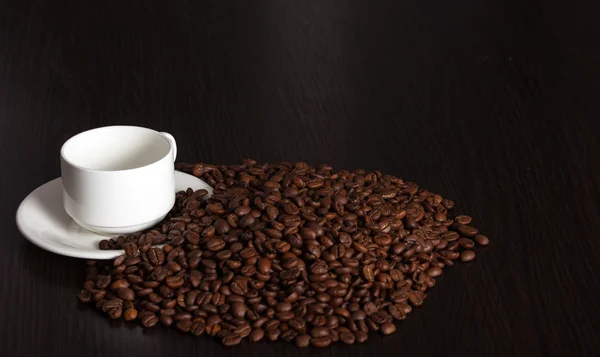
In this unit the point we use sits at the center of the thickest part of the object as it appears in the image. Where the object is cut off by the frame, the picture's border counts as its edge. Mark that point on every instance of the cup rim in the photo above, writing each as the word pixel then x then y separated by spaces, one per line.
pixel 83 168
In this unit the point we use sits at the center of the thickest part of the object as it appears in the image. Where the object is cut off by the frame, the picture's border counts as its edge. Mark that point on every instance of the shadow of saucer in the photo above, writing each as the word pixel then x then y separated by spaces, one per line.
pixel 44 267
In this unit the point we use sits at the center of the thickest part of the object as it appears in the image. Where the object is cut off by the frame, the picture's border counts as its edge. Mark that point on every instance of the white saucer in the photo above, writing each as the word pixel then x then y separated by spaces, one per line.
pixel 42 219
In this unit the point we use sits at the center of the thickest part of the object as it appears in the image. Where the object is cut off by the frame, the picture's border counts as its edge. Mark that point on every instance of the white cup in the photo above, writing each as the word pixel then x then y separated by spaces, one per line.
pixel 118 179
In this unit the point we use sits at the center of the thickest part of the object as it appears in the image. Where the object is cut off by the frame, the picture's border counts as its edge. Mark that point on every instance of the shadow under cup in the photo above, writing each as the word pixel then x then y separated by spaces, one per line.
pixel 118 179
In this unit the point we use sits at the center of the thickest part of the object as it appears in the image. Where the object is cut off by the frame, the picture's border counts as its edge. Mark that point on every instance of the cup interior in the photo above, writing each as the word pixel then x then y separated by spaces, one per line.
pixel 115 148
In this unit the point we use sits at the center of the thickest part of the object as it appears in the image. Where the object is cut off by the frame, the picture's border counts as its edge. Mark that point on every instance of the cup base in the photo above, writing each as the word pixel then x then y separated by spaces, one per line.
pixel 113 231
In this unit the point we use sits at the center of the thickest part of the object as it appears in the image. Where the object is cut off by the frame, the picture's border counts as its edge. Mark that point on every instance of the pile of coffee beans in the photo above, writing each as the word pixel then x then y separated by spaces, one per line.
pixel 284 252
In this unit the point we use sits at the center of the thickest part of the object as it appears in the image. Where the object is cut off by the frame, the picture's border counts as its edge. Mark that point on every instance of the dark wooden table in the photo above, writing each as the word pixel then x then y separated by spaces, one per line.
pixel 492 103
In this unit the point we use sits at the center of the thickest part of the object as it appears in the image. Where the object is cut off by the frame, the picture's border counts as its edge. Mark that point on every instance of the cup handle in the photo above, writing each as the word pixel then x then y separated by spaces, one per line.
pixel 173 143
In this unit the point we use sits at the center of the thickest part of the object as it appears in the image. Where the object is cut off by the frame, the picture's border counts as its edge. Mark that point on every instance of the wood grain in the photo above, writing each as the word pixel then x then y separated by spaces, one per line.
pixel 491 103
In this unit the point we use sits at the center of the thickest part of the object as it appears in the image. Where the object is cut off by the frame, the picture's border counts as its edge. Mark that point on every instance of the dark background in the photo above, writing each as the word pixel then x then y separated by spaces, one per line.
pixel 492 103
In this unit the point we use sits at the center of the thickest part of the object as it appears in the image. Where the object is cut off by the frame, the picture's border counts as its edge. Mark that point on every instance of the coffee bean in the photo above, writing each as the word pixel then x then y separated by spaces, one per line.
pixel 104 245
pixel 156 256
pixel 303 341
pixel 126 294
pixel 388 328
pixel 319 332
pixel 215 244
pixel 213 330
pixel 131 249
pixel 273 334
pixel 397 311
pixel 231 340
pixel 361 336
pixel 416 298
pixel 450 236
pixel 264 266
pixel 197 328
pixel 359 315
pixel 174 282
pixel 370 308
pixel 243 330
pixel 149 320
pixel 256 335
pixel 84 296
pixel 115 313
pixel 184 325
pixel 130 314
pixel 368 273
pixel 466 230
pixel 131 261
pixel 482 240
pixel 221 226
pixel 283 307
pixel 103 281
pixel 463 219
pixel 467 255
pixel 121 283
pixel 246 221
pixel 346 336
pixel 466 243
pixel 321 341
pixel 190 236
pixel 449 254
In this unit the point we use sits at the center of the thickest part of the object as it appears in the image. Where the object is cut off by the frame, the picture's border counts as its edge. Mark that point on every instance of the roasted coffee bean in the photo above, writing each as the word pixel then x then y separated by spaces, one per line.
pixel 361 336
pixel 119 260
pixel 264 266
pixel 126 294
pixel 231 339
pixel 321 341
pixel 416 298
pixel 103 281
pixel 174 282
pixel 388 328
pixel 121 283
pixel 256 335
pixel 399 311
pixel 243 330
pixel 467 255
pixel 303 341
pixel 346 337
pixel 273 334
pixel 184 325
pixel 368 273
pixel 466 230
pixel 466 243
pixel 156 256
pixel 104 244
pixel 215 244
pixel 449 254
pixel 450 236
pixel 115 313
pixel 482 240
pixel 319 332
pixel 131 249
pixel 370 308
pixel 359 315
pixel 434 272
pixel 463 219
pixel 198 326
pixel 131 261
pixel 84 296
pixel 246 221
pixel 149 320
pixel 130 314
